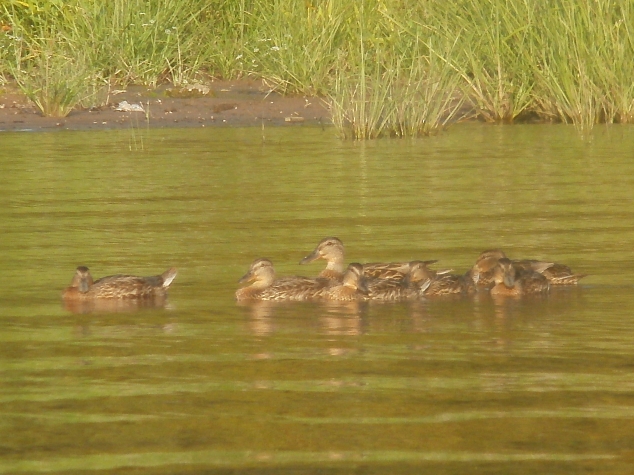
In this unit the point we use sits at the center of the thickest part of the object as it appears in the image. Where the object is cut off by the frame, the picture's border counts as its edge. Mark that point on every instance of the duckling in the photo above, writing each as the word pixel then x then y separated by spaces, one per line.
pixel 353 286
pixel 512 281
pixel 266 287
pixel 482 271
pixel 83 287
pixel 332 251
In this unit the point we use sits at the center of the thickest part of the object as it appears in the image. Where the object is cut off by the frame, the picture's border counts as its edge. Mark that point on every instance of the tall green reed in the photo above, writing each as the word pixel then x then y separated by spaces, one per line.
pixel 397 82
pixel 227 25
pixel 139 41
pixel 296 42
pixel 585 69
pixel 49 70
pixel 56 83
pixel 62 50
pixel 494 54
pixel 127 40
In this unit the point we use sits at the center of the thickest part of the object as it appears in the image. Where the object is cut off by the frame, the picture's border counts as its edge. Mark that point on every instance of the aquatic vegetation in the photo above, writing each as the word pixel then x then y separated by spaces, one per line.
pixel 395 79
pixel 126 42
pixel 296 42
pixel 56 83
pixel 584 62
pixel 386 67
pixel 493 55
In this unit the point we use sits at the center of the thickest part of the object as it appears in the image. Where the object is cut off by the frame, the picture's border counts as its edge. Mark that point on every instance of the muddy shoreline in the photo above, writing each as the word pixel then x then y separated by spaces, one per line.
pixel 242 103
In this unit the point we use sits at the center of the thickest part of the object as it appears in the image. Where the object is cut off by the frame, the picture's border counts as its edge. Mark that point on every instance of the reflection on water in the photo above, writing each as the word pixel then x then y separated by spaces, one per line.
pixel 113 305
pixel 538 384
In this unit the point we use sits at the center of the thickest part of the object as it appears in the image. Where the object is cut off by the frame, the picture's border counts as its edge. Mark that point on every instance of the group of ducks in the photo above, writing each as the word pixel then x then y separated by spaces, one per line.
pixel 401 280
pixel 376 281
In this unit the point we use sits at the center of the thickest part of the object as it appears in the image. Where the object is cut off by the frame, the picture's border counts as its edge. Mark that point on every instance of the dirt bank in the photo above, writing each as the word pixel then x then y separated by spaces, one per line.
pixel 216 104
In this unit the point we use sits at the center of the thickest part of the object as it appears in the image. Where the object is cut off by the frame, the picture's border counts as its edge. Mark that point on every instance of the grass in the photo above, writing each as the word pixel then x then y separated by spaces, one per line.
pixel 387 67
pixel 494 55
pixel 56 81
pixel 398 85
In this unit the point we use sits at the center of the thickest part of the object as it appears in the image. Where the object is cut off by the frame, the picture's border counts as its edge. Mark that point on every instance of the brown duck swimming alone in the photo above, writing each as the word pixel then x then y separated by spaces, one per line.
pixel 83 287
pixel 265 286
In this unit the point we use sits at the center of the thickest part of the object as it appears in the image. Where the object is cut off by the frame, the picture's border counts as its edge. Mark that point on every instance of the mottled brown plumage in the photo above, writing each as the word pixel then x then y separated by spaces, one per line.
pixel 559 274
pixel 514 281
pixel 430 283
pixel 450 284
pixel 390 270
pixel 391 289
pixel 352 287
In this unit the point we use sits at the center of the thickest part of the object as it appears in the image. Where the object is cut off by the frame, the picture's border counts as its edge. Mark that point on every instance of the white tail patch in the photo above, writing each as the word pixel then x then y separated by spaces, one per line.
pixel 168 276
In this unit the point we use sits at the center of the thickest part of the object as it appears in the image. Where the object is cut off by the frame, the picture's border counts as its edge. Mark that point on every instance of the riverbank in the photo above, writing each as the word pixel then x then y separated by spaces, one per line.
pixel 239 103
pixel 389 68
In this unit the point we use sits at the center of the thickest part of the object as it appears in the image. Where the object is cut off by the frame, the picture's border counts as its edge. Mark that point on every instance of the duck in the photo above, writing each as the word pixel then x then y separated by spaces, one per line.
pixel 332 251
pixel 266 286
pixel 353 285
pixel 511 280
pixel 118 286
pixel 431 283
pixel 482 273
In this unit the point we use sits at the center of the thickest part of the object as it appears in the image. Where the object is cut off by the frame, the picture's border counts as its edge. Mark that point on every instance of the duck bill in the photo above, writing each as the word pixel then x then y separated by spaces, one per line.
pixel 313 256
pixel 248 277
pixel 83 286
pixel 509 280
pixel 362 286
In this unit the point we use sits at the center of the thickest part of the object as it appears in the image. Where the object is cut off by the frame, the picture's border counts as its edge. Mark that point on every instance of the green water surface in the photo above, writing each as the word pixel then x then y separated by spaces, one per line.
pixel 205 385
